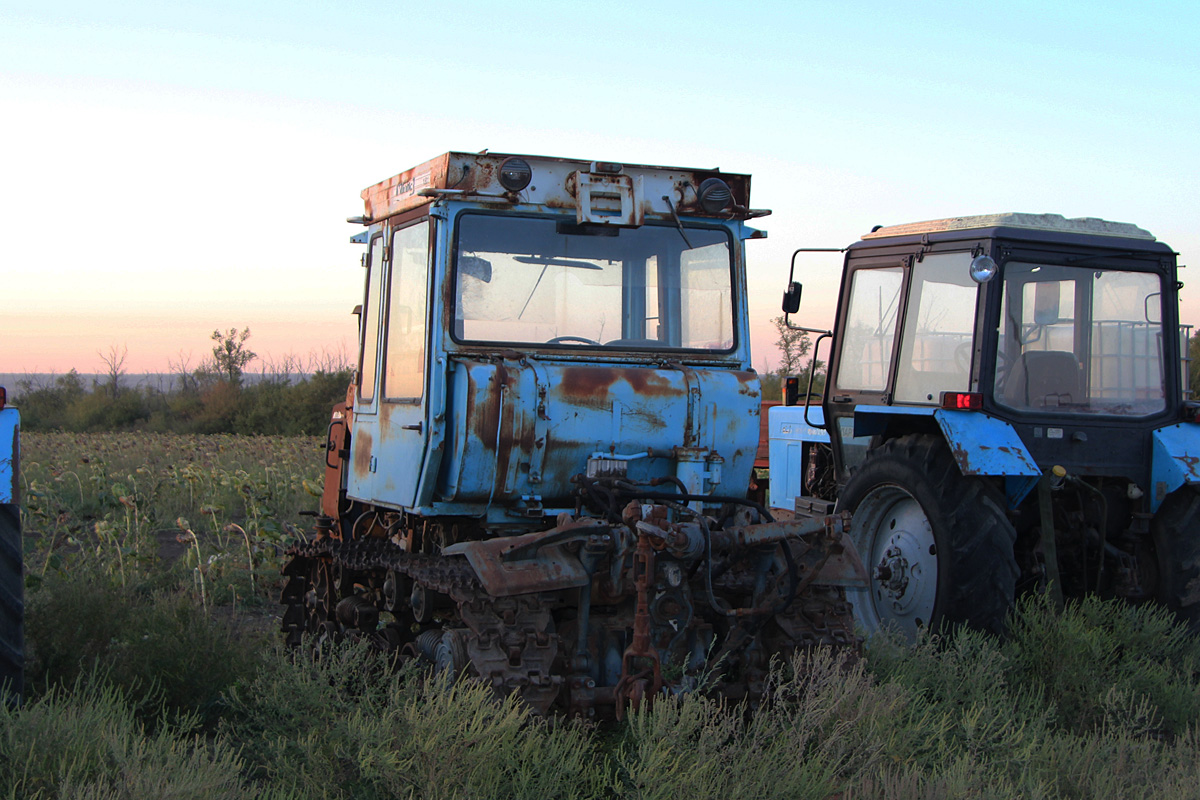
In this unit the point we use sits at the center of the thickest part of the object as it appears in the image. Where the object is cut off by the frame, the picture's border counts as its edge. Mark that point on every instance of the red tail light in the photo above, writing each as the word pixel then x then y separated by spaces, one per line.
pixel 962 401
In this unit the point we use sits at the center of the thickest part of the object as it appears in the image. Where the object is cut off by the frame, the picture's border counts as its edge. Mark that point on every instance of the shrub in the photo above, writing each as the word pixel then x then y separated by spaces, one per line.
pixel 159 646
pixel 86 741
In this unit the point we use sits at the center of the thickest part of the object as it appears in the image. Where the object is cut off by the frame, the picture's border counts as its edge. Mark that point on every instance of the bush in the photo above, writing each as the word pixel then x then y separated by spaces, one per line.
pixel 86 741
pixel 382 736
pixel 158 646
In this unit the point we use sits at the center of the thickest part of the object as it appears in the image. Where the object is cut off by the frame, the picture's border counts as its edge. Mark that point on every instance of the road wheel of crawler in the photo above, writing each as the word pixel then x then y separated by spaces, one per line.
pixel 12 606
pixel 937 545
pixel 1176 530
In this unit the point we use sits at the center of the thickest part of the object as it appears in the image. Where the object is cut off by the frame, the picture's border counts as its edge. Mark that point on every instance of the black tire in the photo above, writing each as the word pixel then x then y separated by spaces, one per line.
pixel 916 514
pixel 12 605
pixel 1176 532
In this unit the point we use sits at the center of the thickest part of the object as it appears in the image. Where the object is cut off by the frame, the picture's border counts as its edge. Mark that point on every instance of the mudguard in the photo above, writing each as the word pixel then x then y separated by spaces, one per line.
pixel 1174 460
pixel 980 444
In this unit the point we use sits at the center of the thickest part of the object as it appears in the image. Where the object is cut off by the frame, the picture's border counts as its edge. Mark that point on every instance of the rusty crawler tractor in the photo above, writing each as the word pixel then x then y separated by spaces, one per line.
pixel 539 476
pixel 1005 409
pixel 12 579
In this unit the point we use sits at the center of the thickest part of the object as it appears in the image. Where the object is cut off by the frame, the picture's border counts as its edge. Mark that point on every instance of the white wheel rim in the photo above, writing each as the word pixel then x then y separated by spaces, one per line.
pixel 896 542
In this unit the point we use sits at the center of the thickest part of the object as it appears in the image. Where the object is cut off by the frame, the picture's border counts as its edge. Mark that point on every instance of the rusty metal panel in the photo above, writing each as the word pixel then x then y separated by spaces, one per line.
pixel 557 183
pixel 545 569
pixel 511 441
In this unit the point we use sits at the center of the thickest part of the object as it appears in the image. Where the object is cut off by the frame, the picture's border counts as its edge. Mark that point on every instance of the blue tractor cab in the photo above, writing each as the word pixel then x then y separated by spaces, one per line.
pixel 1006 409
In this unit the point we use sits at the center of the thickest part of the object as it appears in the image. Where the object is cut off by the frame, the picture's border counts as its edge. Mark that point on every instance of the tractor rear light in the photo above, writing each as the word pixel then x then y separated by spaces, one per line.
pixel 962 401
pixel 791 390
pixel 3 397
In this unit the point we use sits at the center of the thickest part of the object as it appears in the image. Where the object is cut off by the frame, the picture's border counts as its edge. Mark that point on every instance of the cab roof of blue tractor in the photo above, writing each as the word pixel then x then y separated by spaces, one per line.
pixel 599 192
pixel 1011 225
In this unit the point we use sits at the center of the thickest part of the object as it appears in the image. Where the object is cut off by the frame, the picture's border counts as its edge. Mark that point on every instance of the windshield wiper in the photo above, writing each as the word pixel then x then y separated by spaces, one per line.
pixel 678 223
pixel 555 262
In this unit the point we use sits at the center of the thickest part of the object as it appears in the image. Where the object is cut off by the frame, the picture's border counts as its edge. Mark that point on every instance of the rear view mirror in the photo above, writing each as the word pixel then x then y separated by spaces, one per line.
pixel 1045 303
pixel 476 267
pixel 791 298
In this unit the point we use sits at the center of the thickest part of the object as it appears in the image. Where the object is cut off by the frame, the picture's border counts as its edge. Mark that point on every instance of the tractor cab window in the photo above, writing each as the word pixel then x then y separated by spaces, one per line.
pixel 870 329
pixel 368 328
pixel 939 325
pixel 1080 340
pixel 528 280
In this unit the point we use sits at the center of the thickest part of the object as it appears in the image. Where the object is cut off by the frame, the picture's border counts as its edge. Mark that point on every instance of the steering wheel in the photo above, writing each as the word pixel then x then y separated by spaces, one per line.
pixel 962 356
pixel 577 339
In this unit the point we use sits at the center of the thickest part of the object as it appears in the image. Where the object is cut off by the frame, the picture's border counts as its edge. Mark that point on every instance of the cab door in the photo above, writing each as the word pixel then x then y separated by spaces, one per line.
pixel 863 358
pixel 388 447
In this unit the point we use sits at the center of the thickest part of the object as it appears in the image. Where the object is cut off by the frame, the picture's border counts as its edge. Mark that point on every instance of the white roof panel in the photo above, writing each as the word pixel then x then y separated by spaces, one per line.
pixel 1042 222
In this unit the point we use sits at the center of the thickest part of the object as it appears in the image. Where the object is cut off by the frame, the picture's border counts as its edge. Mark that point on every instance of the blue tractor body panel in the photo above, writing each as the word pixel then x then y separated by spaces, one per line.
pixel 790 436
pixel 10 429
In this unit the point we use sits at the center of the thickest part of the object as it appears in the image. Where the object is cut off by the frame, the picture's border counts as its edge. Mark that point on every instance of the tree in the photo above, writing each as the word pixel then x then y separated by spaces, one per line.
pixel 793 346
pixel 231 355
pixel 114 360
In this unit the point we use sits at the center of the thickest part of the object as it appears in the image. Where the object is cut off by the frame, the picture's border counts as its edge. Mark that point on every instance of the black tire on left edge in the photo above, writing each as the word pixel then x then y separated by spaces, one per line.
pixel 12 604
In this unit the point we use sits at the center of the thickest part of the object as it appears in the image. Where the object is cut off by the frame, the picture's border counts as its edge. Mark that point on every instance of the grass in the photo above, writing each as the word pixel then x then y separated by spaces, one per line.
pixel 143 687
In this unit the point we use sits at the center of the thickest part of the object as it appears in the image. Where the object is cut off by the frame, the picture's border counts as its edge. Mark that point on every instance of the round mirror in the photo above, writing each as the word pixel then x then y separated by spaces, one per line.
pixel 983 269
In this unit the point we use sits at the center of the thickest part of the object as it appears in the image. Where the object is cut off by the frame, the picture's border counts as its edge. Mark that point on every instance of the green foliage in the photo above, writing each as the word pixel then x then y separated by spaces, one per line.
pixel 384 736
pixel 144 682
pixel 274 406
pixel 157 646
pixel 85 741
pixel 1108 665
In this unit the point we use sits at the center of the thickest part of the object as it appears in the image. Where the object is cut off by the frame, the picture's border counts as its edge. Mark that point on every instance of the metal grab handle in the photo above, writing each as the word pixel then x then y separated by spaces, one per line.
pixel 329 445
pixel 812 371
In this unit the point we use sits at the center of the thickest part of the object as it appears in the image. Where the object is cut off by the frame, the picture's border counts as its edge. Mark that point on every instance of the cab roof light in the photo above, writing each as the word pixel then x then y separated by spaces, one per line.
pixel 962 401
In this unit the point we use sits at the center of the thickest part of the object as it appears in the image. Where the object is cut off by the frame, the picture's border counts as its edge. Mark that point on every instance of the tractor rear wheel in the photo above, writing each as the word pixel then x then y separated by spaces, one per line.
pixel 1176 531
pixel 937 545
pixel 12 606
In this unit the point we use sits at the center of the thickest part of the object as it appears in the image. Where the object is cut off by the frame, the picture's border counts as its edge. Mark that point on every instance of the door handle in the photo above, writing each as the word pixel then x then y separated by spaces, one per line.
pixel 415 427
pixel 843 398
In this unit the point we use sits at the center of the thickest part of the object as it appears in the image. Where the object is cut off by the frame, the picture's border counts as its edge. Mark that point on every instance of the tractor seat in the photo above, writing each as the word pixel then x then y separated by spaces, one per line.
pixel 1041 378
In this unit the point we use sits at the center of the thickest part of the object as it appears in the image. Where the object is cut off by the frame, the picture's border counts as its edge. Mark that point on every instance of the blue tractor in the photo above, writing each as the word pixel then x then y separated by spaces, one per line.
pixel 540 473
pixel 12 580
pixel 1005 409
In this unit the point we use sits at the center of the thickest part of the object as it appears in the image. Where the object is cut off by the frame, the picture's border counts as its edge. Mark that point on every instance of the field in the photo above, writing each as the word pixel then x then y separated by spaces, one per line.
pixel 154 671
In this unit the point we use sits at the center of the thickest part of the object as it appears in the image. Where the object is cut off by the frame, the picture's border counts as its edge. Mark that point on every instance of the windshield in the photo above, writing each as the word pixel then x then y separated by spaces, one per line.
pixel 533 280
pixel 1080 340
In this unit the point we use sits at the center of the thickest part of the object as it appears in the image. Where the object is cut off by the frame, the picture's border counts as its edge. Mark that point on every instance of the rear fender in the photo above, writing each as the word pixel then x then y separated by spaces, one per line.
pixel 981 444
pixel 1174 460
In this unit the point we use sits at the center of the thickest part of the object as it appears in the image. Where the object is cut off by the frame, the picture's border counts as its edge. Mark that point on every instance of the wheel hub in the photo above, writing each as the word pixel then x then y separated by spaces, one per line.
pixel 892 572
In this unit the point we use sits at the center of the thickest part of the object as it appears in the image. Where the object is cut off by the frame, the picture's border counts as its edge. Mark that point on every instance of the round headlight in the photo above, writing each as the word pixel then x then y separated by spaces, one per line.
pixel 715 195
pixel 515 174
pixel 983 269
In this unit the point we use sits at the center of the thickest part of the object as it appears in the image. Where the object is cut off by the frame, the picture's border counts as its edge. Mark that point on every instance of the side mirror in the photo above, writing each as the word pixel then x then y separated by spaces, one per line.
pixel 791 298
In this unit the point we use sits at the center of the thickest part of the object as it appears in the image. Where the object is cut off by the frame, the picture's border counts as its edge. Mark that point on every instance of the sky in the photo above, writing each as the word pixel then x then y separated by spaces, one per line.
pixel 170 169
